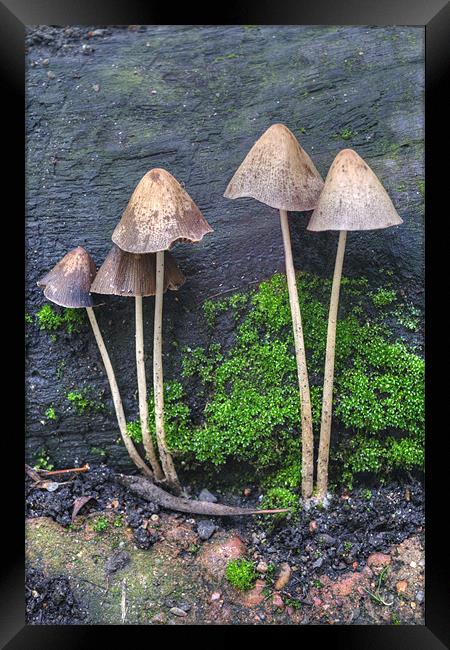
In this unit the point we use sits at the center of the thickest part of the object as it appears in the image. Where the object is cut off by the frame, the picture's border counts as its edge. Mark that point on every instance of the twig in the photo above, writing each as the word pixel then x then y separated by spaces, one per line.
pixel 85 468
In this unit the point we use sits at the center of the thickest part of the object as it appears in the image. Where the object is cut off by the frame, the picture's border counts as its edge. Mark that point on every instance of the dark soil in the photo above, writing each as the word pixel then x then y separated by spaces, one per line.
pixel 329 541
pixel 50 601
pixel 319 540
pixel 100 484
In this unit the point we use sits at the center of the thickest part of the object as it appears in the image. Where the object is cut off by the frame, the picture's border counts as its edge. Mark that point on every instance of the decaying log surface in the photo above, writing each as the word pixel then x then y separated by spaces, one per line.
pixel 151 492
pixel 104 108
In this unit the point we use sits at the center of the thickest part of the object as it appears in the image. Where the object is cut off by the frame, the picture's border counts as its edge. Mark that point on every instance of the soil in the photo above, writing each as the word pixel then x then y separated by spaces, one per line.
pixel 360 560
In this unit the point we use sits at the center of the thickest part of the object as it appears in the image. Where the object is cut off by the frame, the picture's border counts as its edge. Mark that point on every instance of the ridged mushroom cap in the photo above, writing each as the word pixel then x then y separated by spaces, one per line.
pixel 159 213
pixel 353 198
pixel 277 172
pixel 69 282
pixel 130 274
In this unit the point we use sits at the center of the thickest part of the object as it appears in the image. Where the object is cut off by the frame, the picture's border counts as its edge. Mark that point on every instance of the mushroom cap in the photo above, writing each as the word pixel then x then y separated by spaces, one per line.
pixel 277 172
pixel 129 274
pixel 353 198
pixel 69 282
pixel 159 213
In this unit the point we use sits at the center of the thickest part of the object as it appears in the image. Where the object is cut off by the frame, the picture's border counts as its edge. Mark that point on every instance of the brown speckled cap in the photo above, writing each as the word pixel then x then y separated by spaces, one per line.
pixel 159 213
pixel 277 172
pixel 129 274
pixel 353 198
pixel 68 283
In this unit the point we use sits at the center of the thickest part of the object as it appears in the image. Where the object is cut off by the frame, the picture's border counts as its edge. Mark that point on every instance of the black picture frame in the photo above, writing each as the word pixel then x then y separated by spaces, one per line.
pixel 435 16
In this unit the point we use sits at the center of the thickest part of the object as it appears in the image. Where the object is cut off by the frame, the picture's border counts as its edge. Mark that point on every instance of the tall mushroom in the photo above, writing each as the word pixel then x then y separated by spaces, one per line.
pixel 159 213
pixel 279 173
pixel 352 199
pixel 68 285
pixel 133 275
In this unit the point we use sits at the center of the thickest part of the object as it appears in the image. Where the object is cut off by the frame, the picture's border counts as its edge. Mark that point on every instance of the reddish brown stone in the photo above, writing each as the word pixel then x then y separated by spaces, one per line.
pixel 215 555
pixel 254 597
pixel 378 560
pixel 283 576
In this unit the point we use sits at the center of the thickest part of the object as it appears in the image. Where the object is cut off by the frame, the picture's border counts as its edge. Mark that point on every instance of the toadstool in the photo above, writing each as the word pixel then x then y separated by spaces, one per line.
pixel 352 199
pixel 133 275
pixel 279 173
pixel 159 213
pixel 68 285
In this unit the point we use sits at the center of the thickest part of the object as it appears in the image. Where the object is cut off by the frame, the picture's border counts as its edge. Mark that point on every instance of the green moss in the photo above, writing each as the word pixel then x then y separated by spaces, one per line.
pixel 346 134
pixel 383 297
pixel 82 401
pixel 408 316
pixel 280 497
pixel 231 55
pixel 421 187
pixel 241 574
pixel 248 401
pixel 50 413
pixel 50 320
pixel 100 524
pixel 43 461
pixel 212 308
pixel 28 319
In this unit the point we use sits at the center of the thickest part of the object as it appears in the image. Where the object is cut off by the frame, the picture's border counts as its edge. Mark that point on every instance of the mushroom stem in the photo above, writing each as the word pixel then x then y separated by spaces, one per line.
pixel 158 381
pixel 327 399
pixel 142 390
pixel 302 371
pixel 116 397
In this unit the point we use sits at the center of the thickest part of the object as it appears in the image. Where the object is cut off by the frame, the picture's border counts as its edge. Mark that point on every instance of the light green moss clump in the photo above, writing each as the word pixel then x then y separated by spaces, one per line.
pixel 383 297
pixel 82 401
pixel 241 574
pixel 50 320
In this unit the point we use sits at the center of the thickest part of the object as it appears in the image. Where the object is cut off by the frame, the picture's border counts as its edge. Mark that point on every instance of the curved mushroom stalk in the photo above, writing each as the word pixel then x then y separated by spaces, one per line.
pixel 142 391
pixel 302 370
pixel 69 284
pixel 118 406
pixel 158 380
pixel 150 492
pixel 327 398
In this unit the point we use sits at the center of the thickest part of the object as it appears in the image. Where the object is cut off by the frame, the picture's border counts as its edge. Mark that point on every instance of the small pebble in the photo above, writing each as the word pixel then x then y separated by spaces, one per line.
pixel 401 586
pixel 205 529
pixel 45 62
pixel 215 596
pixel 420 597
pixel 51 75
pixel 262 567
pixel 95 87
pixel 205 495
pixel 176 611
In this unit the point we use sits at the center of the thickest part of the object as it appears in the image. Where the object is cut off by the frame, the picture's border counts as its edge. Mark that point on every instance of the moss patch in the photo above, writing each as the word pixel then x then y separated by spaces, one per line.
pixel 249 393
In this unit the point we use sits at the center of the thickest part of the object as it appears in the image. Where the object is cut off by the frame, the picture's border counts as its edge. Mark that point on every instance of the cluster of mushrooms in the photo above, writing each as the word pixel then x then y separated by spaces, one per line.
pixel 277 172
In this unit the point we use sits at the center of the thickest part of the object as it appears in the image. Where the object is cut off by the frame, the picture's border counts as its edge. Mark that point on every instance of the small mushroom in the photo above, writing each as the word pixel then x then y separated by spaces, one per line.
pixel 352 199
pixel 160 212
pixel 279 173
pixel 133 275
pixel 68 285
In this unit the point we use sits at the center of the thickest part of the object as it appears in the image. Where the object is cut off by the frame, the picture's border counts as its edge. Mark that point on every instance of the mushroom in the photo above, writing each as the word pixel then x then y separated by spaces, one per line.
pixel 68 285
pixel 159 213
pixel 133 275
pixel 279 173
pixel 352 199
